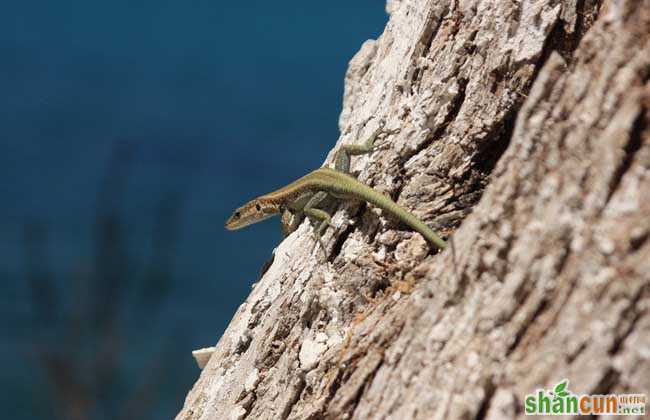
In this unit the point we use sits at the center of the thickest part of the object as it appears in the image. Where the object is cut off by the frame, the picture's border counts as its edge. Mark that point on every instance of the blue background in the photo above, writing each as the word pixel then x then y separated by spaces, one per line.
pixel 112 111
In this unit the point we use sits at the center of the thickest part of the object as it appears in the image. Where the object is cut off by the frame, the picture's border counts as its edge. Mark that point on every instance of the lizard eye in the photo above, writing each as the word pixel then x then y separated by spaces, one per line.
pixel 258 207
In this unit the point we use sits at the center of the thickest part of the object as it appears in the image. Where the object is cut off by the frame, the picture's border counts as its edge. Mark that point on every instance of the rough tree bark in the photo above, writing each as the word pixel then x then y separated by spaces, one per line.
pixel 525 140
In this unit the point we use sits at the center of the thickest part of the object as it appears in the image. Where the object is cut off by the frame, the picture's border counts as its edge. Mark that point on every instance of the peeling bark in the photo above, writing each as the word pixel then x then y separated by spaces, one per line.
pixel 524 139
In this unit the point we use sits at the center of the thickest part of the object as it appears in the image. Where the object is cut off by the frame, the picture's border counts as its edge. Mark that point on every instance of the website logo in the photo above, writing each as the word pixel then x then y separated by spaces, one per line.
pixel 559 401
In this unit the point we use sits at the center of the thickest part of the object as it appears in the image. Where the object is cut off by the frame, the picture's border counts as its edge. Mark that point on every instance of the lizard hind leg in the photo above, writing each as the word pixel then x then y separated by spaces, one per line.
pixel 342 157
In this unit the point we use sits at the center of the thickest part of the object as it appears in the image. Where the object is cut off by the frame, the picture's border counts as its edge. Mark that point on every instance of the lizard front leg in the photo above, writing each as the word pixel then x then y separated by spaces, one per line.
pixel 319 216
pixel 290 221
pixel 292 215
pixel 306 205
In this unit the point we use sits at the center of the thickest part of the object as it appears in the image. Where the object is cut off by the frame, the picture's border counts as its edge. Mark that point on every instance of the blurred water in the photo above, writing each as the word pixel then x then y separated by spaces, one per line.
pixel 214 101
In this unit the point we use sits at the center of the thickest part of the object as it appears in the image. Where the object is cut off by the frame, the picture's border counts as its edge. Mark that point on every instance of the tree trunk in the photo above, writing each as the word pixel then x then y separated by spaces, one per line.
pixel 525 140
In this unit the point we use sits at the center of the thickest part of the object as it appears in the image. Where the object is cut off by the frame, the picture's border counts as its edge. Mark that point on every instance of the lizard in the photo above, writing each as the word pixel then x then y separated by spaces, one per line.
pixel 305 198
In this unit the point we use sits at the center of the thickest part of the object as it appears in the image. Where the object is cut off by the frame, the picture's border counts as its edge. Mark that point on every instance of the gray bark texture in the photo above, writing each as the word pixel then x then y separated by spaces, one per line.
pixel 525 141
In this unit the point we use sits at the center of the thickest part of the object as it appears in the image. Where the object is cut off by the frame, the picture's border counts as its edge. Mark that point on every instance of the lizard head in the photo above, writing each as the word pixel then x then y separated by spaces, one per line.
pixel 252 212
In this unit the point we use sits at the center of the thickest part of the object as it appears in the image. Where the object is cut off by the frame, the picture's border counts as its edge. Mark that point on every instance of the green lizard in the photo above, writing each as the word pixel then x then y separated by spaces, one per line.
pixel 304 196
